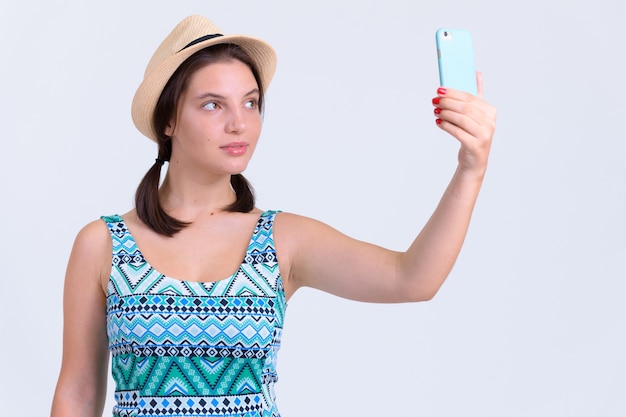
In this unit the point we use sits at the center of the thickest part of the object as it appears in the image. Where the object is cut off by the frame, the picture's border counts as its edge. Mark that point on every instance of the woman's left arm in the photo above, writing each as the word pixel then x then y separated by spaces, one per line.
pixel 432 255
pixel 323 258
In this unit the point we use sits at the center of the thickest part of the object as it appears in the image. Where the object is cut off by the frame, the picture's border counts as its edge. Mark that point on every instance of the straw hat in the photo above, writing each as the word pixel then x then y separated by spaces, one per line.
pixel 189 36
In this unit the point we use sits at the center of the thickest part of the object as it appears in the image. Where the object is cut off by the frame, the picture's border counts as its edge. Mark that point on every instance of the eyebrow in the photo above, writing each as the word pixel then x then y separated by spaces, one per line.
pixel 204 96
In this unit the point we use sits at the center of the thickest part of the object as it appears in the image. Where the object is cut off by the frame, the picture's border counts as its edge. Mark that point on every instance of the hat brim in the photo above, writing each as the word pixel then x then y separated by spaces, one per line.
pixel 150 89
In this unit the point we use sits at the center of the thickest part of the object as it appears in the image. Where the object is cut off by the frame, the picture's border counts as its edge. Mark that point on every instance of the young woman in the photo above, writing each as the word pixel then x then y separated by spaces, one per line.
pixel 188 290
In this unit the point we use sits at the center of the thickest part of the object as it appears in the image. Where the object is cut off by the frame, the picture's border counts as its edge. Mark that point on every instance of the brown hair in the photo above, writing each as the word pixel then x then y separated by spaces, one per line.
pixel 147 201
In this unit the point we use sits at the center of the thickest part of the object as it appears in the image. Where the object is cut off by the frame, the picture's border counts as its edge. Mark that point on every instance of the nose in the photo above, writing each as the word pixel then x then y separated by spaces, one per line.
pixel 236 122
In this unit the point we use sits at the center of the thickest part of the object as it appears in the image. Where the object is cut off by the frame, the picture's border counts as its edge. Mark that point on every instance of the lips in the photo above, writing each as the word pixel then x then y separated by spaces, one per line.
pixel 235 148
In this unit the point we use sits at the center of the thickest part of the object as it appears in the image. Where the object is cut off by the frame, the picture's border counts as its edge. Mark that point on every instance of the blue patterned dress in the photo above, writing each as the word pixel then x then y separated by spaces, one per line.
pixel 182 348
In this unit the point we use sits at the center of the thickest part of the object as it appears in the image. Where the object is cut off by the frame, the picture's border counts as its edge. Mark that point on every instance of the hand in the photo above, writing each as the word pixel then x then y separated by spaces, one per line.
pixel 469 119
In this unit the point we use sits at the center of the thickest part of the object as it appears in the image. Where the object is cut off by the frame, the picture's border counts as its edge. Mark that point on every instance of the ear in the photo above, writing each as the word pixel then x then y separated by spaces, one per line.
pixel 169 129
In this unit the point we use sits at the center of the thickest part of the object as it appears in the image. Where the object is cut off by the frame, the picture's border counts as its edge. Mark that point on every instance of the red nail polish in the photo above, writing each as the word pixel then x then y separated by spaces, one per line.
pixel 437 110
pixel 438 121
pixel 436 100
pixel 442 91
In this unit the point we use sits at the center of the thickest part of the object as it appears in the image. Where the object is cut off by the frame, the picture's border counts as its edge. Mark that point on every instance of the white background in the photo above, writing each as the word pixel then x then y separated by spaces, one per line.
pixel 531 322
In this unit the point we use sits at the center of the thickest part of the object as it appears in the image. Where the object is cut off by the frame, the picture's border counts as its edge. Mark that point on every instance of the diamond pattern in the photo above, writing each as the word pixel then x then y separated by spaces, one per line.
pixel 184 348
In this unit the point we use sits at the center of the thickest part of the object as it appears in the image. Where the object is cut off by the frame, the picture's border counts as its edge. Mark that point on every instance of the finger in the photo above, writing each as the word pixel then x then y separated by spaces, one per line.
pixel 456 131
pixel 470 117
pixel 461 102
pixel 453 94
pixel 479 83
pixel 463 121
pixel 457 111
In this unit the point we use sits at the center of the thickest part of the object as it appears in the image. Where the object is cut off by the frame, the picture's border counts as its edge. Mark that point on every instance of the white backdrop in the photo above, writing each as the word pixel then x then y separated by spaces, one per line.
pixel 531 322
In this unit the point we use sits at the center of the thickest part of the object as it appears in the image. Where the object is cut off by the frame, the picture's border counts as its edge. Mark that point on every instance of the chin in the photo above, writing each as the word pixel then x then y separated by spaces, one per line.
pixel 237 169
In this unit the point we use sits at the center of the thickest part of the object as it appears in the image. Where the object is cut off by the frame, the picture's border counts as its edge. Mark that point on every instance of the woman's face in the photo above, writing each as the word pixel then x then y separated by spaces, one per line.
pixel 218 121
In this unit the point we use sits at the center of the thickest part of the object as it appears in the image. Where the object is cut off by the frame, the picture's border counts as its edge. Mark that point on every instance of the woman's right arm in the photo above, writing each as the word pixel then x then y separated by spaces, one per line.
pixel 81 388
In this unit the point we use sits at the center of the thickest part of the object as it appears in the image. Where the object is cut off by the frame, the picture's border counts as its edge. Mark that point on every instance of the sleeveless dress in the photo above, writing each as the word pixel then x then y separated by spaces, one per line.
pixel 182 348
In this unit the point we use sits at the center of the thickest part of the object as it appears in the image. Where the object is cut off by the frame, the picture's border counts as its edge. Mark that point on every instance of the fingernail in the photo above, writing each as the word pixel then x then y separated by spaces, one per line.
pixel 436 100
pixel 437 110
pixel 442 91
pixel 438 121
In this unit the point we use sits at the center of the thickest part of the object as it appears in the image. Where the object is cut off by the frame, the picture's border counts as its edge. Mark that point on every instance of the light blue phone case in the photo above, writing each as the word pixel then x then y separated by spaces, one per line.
pixel 455 56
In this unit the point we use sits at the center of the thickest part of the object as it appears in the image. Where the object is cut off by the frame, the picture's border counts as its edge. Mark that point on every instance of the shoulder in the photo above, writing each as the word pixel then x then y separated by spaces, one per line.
pixel 295 232
pixel 295 225
pixel 94 234
pixel 291 232
pixel 287 224
pixel 91 254
pixel 93 243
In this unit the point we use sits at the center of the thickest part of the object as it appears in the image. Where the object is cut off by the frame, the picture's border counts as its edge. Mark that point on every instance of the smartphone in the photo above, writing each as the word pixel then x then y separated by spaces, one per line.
pixel 455 56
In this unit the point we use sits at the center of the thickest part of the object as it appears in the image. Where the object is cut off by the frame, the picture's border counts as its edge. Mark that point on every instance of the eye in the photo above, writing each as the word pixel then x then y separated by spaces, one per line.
pixel 251 104
pixel 211 105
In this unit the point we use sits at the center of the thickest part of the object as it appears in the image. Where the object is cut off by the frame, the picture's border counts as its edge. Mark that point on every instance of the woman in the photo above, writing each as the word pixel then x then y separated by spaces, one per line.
pixel 188 290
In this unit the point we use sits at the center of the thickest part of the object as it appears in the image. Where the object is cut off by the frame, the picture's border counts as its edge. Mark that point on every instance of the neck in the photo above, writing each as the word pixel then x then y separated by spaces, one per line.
pixel 188 199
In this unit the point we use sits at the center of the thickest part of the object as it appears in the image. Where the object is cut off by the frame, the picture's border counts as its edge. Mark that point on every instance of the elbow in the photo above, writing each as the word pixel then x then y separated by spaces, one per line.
pixel 421 291
pixel 428 296
pixel 419 295
pixel 417 283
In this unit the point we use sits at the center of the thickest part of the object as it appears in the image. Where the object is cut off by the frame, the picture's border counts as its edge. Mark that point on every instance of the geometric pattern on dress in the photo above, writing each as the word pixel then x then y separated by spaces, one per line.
pixel 182 348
